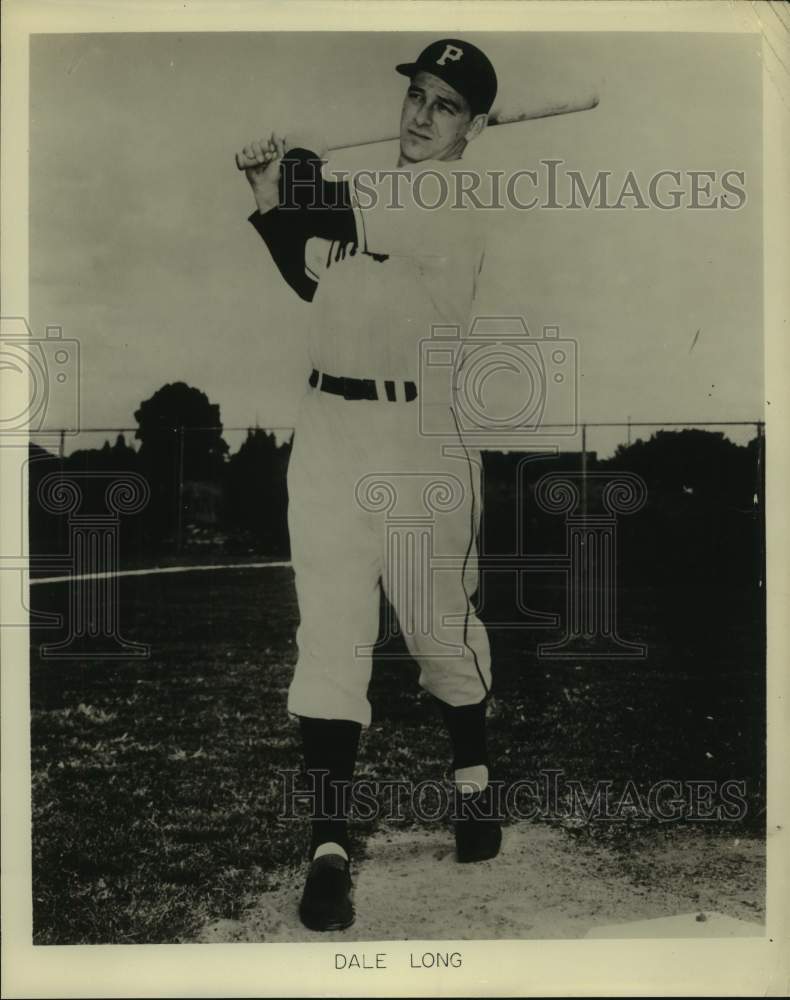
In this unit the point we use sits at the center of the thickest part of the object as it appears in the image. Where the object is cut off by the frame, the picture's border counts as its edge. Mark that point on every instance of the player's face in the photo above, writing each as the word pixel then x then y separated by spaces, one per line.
pixel 434 121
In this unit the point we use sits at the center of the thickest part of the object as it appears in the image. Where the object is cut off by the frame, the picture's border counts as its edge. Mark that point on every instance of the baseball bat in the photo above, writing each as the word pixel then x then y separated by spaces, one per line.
pixel 499 116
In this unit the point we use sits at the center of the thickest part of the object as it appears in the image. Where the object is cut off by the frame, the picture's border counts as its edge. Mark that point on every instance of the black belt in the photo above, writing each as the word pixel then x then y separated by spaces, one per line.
pixel 364 388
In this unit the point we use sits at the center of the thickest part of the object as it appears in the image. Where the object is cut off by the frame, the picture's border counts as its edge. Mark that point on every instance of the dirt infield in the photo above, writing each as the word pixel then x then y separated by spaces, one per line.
pixel 542 885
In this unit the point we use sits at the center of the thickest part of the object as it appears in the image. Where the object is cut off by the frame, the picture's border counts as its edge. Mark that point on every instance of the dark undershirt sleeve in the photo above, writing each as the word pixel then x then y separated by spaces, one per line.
pixel 309 206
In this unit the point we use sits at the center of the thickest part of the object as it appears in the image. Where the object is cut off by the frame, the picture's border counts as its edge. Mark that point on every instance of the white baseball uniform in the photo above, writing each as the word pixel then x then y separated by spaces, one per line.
pixel 383 491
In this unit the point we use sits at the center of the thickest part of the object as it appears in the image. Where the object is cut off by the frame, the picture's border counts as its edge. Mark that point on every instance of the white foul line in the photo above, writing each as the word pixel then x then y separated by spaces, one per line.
pixel 158 569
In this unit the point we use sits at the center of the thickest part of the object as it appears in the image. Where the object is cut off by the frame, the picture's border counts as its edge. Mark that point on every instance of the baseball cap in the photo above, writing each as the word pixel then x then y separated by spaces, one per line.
pixel 465 67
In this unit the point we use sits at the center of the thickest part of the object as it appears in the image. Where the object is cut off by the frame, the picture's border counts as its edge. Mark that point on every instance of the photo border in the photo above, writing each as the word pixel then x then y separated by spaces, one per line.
pixel 505 968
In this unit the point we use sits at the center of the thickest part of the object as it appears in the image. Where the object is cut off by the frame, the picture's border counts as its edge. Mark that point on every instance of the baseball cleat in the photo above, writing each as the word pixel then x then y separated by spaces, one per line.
pixel 478 831
pixel 326 900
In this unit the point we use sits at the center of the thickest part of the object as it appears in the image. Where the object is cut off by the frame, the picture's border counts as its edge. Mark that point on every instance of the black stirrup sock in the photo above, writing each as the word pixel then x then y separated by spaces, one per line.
pixel 466 726
pixel 330 753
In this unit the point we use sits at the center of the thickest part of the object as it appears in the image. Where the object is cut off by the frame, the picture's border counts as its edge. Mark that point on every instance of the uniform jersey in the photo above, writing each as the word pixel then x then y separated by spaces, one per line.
pixel 381 277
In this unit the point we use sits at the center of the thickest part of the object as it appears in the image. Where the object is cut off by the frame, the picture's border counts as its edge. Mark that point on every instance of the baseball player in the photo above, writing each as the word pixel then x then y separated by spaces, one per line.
pixel 375 500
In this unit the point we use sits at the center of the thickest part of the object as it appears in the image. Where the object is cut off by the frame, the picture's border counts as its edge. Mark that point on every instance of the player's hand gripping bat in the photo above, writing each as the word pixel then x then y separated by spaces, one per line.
pixel 503 116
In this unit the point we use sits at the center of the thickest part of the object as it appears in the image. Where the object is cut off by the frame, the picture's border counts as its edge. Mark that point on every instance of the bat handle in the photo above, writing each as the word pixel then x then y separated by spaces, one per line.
pixel 243 163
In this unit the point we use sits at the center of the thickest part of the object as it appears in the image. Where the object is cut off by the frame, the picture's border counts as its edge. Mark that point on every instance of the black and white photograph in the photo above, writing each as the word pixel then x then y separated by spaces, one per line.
pixel 387 544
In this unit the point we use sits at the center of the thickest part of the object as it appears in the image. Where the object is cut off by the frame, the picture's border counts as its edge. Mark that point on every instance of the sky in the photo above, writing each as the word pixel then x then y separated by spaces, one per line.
pixel 140 247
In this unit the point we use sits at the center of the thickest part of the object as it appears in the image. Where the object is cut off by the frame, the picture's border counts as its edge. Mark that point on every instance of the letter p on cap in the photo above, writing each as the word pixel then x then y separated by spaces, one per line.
pixel 451 52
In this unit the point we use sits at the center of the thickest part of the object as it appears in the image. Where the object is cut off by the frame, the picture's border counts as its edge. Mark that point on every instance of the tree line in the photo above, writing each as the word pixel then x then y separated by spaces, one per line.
pixel 703 517
pixel 201 497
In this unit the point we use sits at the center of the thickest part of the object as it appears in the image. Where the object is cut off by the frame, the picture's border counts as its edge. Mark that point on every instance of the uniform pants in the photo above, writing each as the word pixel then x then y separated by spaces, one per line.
pixel 373 502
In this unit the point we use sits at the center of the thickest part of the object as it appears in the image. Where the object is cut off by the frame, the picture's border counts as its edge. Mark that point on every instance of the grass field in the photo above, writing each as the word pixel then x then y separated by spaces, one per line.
pixel 155 788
